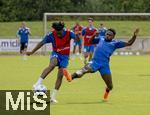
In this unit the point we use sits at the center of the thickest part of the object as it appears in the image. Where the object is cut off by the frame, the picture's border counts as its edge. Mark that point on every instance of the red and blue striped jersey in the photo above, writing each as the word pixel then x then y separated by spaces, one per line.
pixel 87 33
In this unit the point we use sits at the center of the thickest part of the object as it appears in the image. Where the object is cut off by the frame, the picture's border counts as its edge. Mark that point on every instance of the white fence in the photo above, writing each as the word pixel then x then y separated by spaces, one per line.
pixel 12 45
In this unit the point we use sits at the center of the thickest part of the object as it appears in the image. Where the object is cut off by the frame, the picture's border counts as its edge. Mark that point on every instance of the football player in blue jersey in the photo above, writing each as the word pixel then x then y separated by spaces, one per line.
pixel 23 33
pixel 100 62
pixel 102 30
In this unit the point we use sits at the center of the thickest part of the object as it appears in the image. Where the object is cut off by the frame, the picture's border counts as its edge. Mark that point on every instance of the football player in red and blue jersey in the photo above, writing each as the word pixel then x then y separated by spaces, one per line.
pixel 60 39
pixel 100 61
pixel 87 33
pixel 78 41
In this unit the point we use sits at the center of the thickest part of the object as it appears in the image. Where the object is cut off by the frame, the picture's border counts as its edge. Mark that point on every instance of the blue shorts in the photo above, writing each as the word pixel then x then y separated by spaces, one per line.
pixel 77 43
pixel 89 49
pixel 63 60
pixel 103 68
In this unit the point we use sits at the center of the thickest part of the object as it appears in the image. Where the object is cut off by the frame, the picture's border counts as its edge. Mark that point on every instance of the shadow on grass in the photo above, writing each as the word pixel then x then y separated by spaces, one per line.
pixel 144 75
pixel 96 102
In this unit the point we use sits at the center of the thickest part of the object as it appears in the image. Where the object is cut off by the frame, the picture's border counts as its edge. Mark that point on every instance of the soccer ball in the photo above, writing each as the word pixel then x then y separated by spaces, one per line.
pixel 40 89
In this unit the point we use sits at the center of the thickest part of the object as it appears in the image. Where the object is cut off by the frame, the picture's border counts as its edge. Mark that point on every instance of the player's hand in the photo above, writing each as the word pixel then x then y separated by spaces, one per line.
pixel 96 33
pixel 18 41
pixel 136 32
pixel 29 53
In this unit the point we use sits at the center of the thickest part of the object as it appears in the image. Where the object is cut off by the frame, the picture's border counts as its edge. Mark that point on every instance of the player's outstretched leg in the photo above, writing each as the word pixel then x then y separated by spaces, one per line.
pixel 79 73
pixel 86 69
pixel 108 81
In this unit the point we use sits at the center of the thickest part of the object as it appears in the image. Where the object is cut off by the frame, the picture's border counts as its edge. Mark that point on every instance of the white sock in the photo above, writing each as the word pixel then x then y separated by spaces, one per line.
pixel 53 94
pixel 78 54
pixel 40 81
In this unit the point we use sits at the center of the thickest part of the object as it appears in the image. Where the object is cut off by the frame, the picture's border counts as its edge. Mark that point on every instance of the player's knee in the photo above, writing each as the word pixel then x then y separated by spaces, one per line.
pixel 79 73
pixel 51 67
pixel 87 69
pixel 54 61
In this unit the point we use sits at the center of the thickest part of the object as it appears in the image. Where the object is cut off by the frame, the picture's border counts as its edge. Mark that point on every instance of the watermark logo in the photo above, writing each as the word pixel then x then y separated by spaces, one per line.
pixel 24 102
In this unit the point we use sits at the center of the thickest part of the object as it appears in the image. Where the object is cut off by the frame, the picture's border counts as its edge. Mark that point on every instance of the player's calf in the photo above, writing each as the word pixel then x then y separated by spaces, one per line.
pixel 110 87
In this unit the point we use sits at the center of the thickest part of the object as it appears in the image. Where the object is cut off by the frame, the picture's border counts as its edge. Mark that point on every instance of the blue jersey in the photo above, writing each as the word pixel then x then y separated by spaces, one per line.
pixel 105 49
pixel 24 34
pixel 49 38
pixel 102 31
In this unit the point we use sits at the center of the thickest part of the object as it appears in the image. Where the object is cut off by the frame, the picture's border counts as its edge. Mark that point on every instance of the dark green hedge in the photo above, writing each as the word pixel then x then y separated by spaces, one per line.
pixel 18 10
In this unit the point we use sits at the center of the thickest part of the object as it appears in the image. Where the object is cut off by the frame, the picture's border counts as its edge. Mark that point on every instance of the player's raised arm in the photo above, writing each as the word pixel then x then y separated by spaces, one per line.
pixel 131 41
pixel 38 46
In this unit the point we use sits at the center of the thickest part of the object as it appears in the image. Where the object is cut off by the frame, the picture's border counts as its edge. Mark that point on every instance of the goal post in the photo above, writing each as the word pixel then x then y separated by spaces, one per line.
pixel 87 14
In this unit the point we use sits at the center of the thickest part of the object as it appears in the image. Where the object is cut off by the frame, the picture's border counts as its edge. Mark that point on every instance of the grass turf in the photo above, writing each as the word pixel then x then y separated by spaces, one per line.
pixel 123 28
pixel 131 77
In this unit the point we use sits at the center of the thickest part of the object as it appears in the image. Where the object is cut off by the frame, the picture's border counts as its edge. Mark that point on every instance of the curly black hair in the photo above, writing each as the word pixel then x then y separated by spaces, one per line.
pixel 58 25
pixel 112 30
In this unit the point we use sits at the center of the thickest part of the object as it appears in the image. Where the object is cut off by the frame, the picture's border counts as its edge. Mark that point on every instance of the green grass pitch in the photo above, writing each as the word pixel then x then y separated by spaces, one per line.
pixel 130 96
pixel 123 28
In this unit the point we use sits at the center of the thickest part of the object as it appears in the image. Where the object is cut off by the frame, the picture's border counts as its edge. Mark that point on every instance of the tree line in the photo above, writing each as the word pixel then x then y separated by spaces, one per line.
pixel 32 10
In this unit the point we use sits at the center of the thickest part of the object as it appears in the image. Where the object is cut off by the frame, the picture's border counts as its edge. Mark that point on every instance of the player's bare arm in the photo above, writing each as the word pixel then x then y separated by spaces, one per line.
pixel 132 40
pixel 38 46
